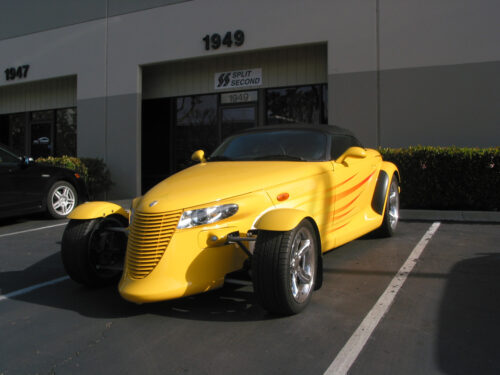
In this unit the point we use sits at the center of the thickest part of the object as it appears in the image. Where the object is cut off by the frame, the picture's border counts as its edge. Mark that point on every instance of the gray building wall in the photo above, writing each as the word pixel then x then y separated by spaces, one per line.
pixel 399 73
pixel 23 17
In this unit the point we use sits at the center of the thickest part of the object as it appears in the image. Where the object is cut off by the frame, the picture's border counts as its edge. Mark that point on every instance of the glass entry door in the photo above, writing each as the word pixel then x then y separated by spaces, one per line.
pixel 41 140
pixel 42 134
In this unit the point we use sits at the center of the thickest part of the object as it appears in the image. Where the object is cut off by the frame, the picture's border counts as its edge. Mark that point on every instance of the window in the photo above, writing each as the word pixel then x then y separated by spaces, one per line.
pixel 195 127
pixel 7 157
pixel 65 132
pixel 295 145
pixel 40 133
pixel 300 104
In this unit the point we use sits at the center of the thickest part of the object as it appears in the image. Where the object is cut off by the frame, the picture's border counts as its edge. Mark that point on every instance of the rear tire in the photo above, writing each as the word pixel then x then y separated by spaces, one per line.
pixel 284 268
pixel 391 212
pixel 61 200
pixel 92 256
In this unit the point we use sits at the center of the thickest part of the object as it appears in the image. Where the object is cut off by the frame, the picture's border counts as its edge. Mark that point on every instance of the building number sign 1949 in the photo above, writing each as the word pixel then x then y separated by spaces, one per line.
pixel 215 41
pixel 19 72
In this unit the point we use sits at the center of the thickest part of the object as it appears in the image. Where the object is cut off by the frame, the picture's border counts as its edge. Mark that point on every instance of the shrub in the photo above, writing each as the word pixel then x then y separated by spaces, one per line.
pixel 94 171
pixel 99 177
pixel 69 162
pixel 448 178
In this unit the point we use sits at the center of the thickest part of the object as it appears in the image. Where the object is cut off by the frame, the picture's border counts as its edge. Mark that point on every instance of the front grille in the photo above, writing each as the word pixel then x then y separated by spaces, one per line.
pixel 148 239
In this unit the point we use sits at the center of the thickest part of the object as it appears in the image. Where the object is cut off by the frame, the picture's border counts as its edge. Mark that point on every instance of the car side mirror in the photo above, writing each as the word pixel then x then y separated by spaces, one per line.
pixel 352 152
pixel 24 161
pixel 199 156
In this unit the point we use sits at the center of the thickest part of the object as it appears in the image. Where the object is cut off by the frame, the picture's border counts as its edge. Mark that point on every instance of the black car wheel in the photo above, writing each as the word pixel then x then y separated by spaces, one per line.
pixel 284 269
pixel 91 253
pixel 61 200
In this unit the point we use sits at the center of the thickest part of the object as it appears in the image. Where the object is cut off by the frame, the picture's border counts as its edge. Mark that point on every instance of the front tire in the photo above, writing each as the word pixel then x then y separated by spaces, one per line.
pixel 91 255
pixel 284 269
pixel 61 200
pixel 391 212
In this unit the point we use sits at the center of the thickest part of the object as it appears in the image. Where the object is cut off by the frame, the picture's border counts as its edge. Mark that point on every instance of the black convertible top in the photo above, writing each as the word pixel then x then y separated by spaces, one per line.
pixel 330 129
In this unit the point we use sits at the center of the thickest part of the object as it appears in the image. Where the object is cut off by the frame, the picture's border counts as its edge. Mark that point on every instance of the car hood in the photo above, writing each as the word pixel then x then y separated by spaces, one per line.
pixel 214 181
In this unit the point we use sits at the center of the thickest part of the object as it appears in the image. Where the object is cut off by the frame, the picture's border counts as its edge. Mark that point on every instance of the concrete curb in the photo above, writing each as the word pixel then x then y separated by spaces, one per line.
pixel 458 216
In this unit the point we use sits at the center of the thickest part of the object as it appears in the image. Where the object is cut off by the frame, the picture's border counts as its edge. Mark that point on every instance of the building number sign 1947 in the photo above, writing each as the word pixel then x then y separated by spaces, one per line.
pixel 19 72
pixel 215 41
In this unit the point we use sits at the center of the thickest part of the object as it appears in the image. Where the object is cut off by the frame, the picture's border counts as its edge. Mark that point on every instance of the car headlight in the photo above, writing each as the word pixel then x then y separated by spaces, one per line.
pixel 207 215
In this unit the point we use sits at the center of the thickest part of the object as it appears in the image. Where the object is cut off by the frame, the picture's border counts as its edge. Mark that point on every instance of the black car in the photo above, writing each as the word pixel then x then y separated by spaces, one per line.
pixel 27 187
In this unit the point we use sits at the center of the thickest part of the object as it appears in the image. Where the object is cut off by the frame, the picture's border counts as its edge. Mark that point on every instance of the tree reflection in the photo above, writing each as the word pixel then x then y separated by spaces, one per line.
pixel 195 127
pixel 303 104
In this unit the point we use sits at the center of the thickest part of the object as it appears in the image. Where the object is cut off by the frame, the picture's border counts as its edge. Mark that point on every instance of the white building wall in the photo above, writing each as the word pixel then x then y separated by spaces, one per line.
pixel 397 70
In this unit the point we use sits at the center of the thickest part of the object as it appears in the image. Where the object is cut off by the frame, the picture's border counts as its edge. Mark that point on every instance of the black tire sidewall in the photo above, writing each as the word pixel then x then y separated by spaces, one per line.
pixel 76 257
pixel 271 270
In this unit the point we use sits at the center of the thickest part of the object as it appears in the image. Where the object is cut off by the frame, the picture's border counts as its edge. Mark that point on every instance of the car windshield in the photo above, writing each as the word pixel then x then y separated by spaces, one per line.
pixel 287 145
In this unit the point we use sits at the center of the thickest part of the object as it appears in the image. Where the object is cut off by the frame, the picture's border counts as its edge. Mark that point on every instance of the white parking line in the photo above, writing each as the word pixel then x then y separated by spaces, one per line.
pixel 32 230
pixel 346 357
pixel 31 288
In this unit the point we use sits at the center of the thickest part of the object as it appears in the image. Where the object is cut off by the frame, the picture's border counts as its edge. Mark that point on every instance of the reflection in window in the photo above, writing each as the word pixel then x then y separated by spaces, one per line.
pixel 17 125
pixel 237 119
pixel 32 133
pixel 304 104
pixel 195 127
pixel 4 129
pixel 66 132
pixel 42 116
pixel 7 157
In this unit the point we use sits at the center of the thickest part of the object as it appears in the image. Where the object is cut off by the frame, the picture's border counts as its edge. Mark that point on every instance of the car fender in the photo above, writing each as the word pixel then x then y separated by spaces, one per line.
pixel 281 219
pixel 386 172
pixel 94 210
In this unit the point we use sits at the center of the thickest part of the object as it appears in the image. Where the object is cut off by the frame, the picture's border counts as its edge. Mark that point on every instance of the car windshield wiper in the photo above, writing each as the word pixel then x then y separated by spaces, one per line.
pixel 220 158
pixel 279 157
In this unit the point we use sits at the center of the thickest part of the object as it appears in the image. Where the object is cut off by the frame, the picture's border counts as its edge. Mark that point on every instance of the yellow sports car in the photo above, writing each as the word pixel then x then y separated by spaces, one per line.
pixel 269 200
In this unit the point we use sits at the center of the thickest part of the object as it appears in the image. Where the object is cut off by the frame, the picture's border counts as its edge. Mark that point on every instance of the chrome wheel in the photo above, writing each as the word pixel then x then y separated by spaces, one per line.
pixel 63 200
pixel 284 270
pixel 302 265
pixel 393 202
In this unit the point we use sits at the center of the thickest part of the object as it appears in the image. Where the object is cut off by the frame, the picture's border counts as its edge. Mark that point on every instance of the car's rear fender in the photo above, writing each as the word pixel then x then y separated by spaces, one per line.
pixel 387 170
pixel 94 210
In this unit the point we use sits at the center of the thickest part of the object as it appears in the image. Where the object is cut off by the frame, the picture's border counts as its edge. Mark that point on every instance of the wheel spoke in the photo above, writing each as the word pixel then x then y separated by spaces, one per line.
pixel 303 276
pixel 304 246
pixel 57 205
pixel 295 288
pixel 302 265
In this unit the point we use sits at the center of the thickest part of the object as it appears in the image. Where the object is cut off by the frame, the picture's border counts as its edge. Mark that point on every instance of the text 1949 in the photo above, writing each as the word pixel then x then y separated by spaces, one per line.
pixel 215 41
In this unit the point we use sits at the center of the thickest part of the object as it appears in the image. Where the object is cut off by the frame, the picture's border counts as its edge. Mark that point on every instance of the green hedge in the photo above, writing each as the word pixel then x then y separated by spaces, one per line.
pixel 448 178
pixel 95 172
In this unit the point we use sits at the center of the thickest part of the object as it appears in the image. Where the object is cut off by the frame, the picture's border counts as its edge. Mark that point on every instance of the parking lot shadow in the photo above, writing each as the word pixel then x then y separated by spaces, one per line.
pixel 469 319
pixel 230 303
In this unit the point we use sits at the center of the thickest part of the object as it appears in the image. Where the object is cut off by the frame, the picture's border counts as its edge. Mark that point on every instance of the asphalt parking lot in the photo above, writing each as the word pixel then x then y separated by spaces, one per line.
pixel 442 318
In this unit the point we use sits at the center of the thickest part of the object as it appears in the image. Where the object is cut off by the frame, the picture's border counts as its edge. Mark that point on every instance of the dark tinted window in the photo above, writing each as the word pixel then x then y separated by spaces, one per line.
pixel 195 127
pixel 302 104
pixel 65 132
pixel 274 145
pixel 7 157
